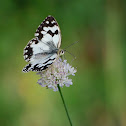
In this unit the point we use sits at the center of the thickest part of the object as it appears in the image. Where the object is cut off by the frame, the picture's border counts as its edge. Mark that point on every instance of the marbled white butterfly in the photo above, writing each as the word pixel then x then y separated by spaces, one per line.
pixel 42 50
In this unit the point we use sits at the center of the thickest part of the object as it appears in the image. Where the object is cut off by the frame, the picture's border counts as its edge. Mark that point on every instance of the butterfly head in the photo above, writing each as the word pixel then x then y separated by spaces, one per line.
pixel 61 52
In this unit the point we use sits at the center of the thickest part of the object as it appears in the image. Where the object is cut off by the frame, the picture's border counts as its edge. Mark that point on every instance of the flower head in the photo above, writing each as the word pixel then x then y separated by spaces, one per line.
pixel 57 74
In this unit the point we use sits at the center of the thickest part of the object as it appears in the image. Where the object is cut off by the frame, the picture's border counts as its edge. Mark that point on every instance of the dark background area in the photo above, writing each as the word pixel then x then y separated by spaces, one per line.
pixel 98 94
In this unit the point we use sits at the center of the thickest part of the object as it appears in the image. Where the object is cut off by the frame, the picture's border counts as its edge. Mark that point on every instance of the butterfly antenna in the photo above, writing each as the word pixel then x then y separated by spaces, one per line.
pixel 71 54
pixel 71 45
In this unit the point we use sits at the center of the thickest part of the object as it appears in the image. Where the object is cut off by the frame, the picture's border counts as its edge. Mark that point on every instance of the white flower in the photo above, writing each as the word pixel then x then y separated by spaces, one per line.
pixel 57 74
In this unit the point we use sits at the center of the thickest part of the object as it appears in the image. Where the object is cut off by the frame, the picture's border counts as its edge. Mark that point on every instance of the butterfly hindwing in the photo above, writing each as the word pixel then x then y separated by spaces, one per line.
pixel 42 64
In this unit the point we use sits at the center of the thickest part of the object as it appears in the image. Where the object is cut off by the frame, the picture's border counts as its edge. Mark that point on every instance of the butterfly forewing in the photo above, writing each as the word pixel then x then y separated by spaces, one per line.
pixel 49 30
pixel 28 50
pixel 41 51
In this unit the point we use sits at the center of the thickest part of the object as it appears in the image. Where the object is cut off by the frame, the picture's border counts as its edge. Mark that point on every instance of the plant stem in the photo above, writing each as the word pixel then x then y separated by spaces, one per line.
pixel 64 105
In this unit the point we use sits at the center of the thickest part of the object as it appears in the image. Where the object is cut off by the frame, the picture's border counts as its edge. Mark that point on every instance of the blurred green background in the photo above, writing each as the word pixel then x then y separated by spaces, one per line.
pixel 98 94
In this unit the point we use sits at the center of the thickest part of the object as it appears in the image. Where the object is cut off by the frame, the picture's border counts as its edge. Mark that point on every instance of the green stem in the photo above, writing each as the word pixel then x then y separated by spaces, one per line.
pixel 64 105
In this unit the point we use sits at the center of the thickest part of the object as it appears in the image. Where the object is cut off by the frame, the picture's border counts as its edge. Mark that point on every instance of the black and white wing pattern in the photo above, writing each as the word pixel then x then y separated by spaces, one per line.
pixel 42 50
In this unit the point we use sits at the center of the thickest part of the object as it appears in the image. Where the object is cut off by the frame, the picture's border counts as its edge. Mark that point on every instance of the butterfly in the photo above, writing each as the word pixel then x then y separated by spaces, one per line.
pixel 43 50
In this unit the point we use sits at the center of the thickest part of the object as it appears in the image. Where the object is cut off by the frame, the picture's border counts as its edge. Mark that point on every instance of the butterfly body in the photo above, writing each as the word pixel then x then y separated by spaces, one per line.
pixel 42 50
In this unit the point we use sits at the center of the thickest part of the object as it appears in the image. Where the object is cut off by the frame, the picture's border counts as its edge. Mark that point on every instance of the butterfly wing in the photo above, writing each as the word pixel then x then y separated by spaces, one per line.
pixel 49 30
pixel 42 50
pixel 40 63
